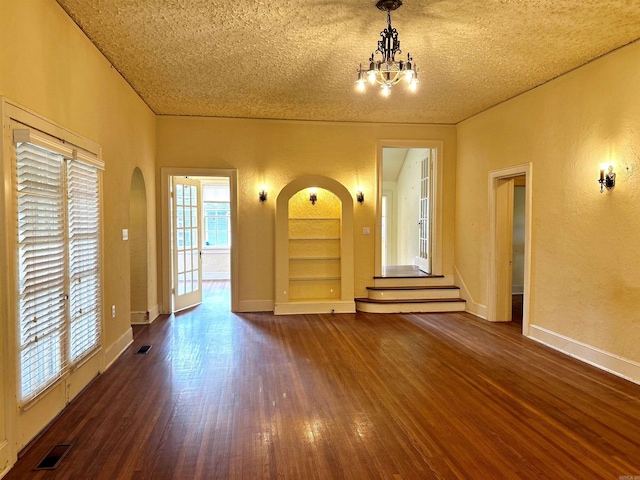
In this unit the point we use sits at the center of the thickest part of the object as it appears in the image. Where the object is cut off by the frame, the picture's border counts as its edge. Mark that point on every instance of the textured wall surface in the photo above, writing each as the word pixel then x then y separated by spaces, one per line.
pixel 585 255
pixel 297 59
pixel 69 82
pixel 215 264
pixel 48 66
pixel 138 237
pixel 274 153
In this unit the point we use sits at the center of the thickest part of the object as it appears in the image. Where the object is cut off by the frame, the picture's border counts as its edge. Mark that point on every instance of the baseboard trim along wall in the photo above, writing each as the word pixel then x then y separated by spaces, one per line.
pixel 295 308
pixel 139 318
pixel 609 362
pixel 154 313
pixel 5 454
pixel 471 306
pixel 256 305
pixel 117 348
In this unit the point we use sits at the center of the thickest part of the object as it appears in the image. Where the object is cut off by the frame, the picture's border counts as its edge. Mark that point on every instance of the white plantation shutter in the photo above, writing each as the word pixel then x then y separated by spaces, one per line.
pixel 59 242
pixel 42 267
pixel 84 255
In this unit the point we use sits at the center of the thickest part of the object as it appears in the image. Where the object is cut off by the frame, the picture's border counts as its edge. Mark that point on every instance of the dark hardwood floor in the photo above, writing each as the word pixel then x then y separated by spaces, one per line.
pixel 516 308
pixel 364 396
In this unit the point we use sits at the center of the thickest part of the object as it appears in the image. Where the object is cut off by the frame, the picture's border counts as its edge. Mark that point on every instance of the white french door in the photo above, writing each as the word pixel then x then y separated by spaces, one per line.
pixel 424 222
pixel 187 261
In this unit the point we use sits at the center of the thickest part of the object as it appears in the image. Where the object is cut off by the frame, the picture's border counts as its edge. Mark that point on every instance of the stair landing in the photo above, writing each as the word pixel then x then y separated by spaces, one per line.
pixel 407 289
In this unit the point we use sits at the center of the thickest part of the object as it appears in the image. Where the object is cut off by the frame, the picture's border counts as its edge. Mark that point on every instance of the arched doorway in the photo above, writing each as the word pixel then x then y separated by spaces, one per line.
pixel 138 265
pixel 314 247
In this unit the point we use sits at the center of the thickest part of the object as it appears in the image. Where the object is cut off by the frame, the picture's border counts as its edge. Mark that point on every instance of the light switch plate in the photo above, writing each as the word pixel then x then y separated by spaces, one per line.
pixel 125 234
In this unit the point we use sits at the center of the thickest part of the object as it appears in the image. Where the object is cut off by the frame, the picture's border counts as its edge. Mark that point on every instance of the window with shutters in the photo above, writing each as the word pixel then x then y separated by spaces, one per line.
pixel 59 307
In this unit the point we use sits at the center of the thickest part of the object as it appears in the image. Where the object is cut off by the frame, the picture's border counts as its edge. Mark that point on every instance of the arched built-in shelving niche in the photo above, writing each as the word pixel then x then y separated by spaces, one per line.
pixel 314 248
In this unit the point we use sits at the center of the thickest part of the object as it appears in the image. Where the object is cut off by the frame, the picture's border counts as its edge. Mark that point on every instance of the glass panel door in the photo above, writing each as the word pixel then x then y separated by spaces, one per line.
pixel 187 263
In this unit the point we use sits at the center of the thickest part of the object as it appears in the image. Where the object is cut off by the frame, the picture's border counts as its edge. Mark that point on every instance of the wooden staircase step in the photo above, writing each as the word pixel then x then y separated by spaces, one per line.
pixel 424 275
pixel 409 300
pixel 432 305
pixel 413 292
pixel 417 287
pixel 411 281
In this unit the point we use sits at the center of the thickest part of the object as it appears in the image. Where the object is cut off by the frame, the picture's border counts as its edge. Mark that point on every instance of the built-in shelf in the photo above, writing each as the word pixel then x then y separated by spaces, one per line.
pixel 314 261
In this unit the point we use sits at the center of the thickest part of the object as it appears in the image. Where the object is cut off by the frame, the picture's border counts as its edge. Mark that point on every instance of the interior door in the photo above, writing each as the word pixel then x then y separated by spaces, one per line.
pixel 504 247
pixel 187 261
pixel 424 223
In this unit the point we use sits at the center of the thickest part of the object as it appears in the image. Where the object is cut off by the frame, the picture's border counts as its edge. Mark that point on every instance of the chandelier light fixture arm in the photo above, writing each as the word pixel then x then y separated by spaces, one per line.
pixel 386 71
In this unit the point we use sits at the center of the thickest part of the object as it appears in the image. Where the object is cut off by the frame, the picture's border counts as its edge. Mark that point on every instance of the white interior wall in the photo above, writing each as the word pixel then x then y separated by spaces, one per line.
pixel 407 206
pixel 390 190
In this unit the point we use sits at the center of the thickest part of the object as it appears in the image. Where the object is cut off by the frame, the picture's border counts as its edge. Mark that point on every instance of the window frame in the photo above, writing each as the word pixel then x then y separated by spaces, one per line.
pixel 205 229
pixel 23 126
pixel 206 187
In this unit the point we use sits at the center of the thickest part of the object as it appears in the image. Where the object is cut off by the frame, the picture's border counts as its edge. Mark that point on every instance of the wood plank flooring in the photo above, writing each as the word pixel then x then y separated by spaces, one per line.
pixel 353 396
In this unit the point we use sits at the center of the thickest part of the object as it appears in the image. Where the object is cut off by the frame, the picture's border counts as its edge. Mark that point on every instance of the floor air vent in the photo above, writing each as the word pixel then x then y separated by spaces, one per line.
pixel 52 459
pixel 143 350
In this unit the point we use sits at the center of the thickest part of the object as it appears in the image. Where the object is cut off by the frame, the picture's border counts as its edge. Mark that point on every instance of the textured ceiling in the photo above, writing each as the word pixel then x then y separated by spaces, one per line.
pixel 297 59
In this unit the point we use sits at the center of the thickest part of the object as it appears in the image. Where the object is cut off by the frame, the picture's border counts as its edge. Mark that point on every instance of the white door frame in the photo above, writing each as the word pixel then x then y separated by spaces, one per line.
pixel 436 194
pixel 492 285
pixel 165 174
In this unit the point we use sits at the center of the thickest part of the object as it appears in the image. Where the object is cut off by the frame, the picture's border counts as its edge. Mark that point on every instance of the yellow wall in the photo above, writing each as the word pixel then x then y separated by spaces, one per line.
pixel 138 242
pixel 274 153
pixel 585 245
pixel 47 65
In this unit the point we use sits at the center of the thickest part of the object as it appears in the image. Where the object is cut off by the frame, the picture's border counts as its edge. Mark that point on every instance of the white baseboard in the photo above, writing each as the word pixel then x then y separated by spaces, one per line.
pixel 472 306
pixel 609 362
pixel 295 308
pixel 255 306
pixel 154 313
pixel 216 276
pixel 6 459
pixel 117 348
pixel 139 318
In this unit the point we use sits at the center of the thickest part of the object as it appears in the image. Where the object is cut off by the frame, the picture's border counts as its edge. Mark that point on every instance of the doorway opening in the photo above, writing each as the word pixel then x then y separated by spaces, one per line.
pixel 201 240
pixel 510 227
pixel 517 277
pixel 138 259
pixel 199 224
pixel 409 207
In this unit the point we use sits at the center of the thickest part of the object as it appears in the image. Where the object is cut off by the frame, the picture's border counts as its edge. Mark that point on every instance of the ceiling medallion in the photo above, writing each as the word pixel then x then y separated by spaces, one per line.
pixel 386 72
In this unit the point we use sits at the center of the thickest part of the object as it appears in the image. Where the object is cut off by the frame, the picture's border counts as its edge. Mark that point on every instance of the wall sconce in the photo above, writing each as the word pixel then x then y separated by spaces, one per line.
pixel 313 196
pixel 360 195
pixel 262 194
pixel 607 180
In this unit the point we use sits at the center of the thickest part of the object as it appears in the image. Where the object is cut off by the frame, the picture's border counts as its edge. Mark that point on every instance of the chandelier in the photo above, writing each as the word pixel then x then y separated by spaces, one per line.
pixel 386 71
